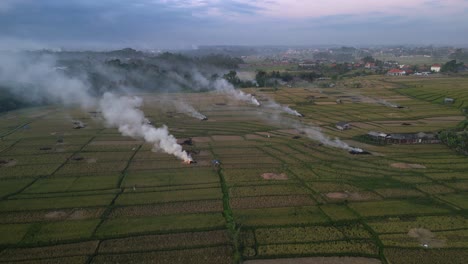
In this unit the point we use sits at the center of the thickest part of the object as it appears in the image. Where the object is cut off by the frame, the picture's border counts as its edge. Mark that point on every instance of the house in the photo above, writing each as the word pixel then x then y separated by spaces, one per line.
pixel 436 67
pixel 369 65
pixel 343 125
pixel 448 100
pixel 377 136
pixel 396 72
pixel 404 138
pixel 412 138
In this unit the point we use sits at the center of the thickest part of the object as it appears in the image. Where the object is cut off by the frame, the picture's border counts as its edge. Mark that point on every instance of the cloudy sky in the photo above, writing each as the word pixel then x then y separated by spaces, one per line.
pixel 106 24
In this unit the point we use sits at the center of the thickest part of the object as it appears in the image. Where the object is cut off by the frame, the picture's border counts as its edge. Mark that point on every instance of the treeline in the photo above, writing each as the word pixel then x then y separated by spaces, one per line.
pixel 8 102
pixel 272 78
pixel 452 66
pixel 167 72
pixel 456 138
pixel 459 54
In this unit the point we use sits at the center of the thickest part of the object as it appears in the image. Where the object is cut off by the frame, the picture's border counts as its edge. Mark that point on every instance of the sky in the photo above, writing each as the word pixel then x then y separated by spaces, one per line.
pixel 179 24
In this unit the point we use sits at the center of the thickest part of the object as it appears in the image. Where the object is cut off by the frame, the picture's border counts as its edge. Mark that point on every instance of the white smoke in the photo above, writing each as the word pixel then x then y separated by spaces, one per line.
pixel 310 131
pixel 282 108
pixel 224 86
pixel 124 113
pixel 386 103
pixel 188 109
pixel 39 80
pixel 316 134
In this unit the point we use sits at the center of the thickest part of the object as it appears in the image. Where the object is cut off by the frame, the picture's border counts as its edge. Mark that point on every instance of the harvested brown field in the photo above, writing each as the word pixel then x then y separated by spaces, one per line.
pixel 16 254
pixel 337 195
pixel 325 103
pixel 316 260
pixel 290 131
pixel 362 125
pixel 446 118
pixel 271 201
pixel 168 208
pixel 7 162
pixel 212 255
pixel 55 215
pixel 274 176
pixel 201 139
pixel 426 237
pixel 115 142
pixel 353 196
pixel 253 136
pixel 165 241
pixel 68 260
pixel 227 138
pixel 407 166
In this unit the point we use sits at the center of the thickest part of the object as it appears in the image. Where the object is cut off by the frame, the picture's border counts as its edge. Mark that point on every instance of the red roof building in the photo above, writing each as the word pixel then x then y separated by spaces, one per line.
pixel 396 72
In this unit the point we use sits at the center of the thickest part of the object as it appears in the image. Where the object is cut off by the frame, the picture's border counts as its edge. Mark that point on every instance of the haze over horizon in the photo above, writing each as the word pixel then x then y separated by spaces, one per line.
pixel 179 24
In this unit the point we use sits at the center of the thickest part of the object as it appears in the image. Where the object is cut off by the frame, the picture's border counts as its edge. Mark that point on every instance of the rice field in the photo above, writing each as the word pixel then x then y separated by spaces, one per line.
pixel 93 196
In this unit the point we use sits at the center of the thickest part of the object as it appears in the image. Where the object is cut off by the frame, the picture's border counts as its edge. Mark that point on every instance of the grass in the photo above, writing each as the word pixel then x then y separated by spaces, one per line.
pixel 280 216
pixel 61 231
pixel 171 196
pixel 55 203
pixel 13 233
pixel 144 225
pixel 397 207
pixel 170 177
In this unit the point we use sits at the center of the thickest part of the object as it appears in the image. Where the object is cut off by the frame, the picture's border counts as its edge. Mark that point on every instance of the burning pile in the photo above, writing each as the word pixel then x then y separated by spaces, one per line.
pixel 77 124
pixel 358 151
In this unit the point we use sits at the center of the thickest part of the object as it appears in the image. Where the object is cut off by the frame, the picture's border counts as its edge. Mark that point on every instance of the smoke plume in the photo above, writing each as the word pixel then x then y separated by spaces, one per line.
pixel 310 131
pixel 39 80
pixel 282 108
pixel 224 86
pixel 124 113
pixel 188 109
pixel 316 134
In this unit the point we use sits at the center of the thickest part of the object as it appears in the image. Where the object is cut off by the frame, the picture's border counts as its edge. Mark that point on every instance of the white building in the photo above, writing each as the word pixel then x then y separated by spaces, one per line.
pixel 436 67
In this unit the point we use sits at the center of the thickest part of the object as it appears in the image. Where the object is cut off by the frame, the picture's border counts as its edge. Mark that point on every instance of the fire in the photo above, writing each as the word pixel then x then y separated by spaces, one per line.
pixel 189 160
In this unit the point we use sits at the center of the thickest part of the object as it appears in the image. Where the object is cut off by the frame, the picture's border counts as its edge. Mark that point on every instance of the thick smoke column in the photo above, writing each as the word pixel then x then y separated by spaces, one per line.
pixel 220 85
pixel 186 108
pixel 39 80
pixel 124 113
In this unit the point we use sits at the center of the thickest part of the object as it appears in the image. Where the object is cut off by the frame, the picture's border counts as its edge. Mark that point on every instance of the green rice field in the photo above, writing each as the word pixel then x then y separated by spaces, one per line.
pixel 93 196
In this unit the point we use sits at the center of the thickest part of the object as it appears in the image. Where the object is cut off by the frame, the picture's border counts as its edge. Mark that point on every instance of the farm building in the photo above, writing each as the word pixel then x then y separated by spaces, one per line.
pixel 343 125
pixel 396 72
pixel 448 100
pixel 377 136
pixel 404 138
pixel 436 67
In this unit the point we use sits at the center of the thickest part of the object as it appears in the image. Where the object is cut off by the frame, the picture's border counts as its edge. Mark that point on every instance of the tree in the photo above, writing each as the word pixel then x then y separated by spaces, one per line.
pixel 451 66
pixel 232 78
pixel 261 78
pixel 367 59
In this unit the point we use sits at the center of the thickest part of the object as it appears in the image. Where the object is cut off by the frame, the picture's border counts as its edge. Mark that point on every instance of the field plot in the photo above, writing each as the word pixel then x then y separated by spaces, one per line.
pixel 260 191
